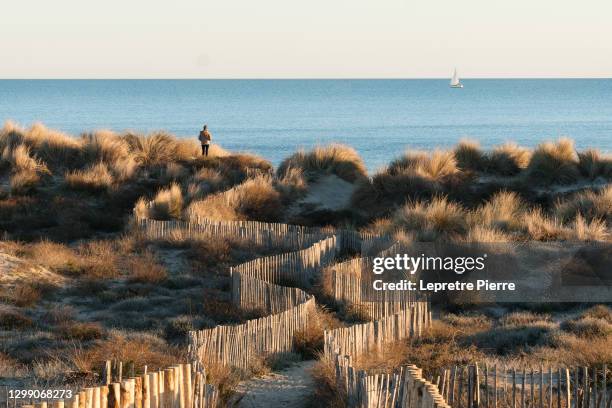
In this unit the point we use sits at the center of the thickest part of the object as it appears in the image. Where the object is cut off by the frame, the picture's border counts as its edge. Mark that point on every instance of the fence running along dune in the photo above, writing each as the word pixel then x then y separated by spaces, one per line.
pixel 269 284
pixel 257 285
pixel 179 386
pixel 404 388
pixel 478 385
pixel 345 283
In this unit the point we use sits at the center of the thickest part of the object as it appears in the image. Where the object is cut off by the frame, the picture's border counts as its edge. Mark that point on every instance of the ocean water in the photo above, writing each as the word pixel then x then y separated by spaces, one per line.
pixel 273 118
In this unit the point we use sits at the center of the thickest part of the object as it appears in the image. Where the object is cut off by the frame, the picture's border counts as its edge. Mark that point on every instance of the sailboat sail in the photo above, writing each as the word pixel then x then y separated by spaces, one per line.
pixel 455 79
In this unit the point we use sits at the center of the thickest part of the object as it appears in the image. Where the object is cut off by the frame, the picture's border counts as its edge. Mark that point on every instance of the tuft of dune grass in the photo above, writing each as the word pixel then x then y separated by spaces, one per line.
pixel 26 169
pixel 255 199
pixel 484 234
pixel 540 227
pixel 469 156
pixel 584 230
pixel 437 166
pixel 592 205
pixel 588 327
pixel 95 178
pixel 53 147
pixel 167 204
pixel 160 148
pixel 292 185
pixel 338 159
pixel 103 146
pixel 430 220
pixel 554 163
pixel 508 160
pixel 413 176
pixel 592 164
pixel 503 210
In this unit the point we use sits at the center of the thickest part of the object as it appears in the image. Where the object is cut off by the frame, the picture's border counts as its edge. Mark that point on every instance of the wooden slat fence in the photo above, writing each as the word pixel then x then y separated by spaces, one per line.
pixel 405 388
pixel 479 385
pixel 263 284
pixel 257 285
pixel 239 345
pixel 179 386
pixel 344 283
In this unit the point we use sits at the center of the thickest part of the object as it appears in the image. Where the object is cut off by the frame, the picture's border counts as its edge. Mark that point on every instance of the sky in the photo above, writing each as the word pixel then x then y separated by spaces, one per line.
pixel 305 39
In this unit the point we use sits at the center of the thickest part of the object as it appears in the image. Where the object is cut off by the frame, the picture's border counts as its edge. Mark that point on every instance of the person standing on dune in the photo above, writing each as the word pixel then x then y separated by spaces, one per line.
pixel 205 138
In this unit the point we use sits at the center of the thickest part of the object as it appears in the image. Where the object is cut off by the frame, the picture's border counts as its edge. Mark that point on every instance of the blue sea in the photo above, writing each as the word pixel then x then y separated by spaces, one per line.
pixel 273 118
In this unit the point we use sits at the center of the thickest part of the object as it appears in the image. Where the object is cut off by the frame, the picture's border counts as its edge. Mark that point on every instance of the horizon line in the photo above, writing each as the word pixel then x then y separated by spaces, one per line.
pixel 281 78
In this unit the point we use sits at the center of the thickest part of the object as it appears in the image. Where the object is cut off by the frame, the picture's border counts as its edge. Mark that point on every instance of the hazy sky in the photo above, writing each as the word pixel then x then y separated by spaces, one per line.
pixel 307 38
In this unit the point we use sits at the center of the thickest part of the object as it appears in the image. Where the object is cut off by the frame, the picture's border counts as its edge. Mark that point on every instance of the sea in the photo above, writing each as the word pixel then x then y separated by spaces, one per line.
pixel 274 118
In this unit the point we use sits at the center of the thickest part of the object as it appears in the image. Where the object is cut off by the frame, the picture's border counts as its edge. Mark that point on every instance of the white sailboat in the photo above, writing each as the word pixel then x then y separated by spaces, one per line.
pixel 454 82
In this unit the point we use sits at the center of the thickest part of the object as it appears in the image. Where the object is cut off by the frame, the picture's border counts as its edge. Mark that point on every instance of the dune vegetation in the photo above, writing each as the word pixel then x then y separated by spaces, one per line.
pixel 67 205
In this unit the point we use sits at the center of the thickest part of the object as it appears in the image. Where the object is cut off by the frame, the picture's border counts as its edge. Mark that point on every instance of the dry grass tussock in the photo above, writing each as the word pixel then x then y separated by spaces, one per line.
pixel 554 163
pixel 508 160
pixel 414 176
pixel 469 156
pixel 141 349
pixel 592 205
pixel 27 170
pixel 341 160
pixel 160 148
pixel 52 147
pixel 94 178
pixel 255 199
pixel 430 221
pixel 502 211
pixel 593 164
pixel 437 166
pixel 90 260
pixel 505 217
pixel 326 386
pixel 517 339
pixel 167 204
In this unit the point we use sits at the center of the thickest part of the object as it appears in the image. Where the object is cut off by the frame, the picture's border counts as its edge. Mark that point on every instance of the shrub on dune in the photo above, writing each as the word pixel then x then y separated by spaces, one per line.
pixel 255 199
pixel 554 163
pixel 341 160
pixel 124 169
pixel 437 166
pixel 502 211
pixel 587 327
pixel 484 234
pixel 213 207
pixel 414 176
pixel 258 200
pixel 540 227
pixel 469 156
pixel 508 160
pixel 592 164
pixel 55 148
pixel 167 204
pixel 24 182
pixel 94 178
pixel 591 205
pixel 160 148
pixel 26 170
pixel 104 146
pixel 431 220
pixel 22 160
pixel 205 181
pixel 584 230
pixel 292 185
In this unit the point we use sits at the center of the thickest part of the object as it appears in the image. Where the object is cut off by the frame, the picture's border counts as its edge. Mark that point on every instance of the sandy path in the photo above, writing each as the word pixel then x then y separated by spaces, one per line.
pixel 291 388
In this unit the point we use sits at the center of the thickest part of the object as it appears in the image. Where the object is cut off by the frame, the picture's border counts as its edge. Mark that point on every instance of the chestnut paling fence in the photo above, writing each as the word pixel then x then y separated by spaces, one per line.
pixel 179 386
pixel 277 285
pixel 481 385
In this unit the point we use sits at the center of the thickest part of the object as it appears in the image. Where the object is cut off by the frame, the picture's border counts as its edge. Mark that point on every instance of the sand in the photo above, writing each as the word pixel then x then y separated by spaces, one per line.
pixel 290 388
